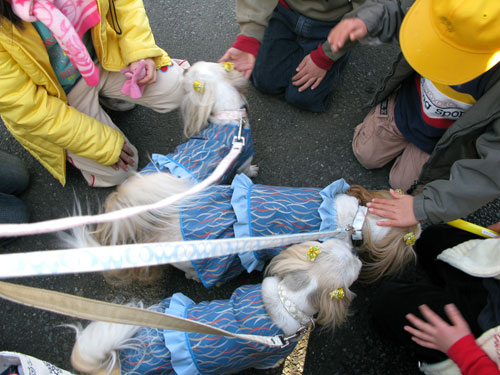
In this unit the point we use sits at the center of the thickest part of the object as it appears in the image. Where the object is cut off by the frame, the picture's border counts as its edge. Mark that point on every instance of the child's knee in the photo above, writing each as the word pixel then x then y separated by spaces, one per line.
pixel 365 158
pixel 363 149
pixel 262 81
pixel 308 100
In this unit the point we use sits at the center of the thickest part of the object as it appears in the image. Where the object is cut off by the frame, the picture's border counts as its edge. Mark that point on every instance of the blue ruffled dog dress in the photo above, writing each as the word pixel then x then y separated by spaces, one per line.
pixel 199 156
pixel 248 210
pixel 174 352
pixel 242 209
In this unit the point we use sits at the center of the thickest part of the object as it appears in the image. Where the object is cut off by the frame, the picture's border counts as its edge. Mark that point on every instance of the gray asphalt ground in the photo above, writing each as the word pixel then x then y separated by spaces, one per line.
pixel 292 148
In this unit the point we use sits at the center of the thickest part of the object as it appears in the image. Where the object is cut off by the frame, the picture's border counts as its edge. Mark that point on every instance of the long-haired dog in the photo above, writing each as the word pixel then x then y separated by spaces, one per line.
pixel 304 283
pixel 213 108
pixel 244 210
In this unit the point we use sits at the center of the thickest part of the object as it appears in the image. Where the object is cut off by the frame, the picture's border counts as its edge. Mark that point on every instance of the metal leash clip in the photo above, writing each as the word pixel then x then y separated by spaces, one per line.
pixel 287 340
pixel 239 138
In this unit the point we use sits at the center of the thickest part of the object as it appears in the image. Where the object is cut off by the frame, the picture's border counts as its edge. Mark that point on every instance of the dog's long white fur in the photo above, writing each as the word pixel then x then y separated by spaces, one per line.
pixel 308 285
pixel 383 246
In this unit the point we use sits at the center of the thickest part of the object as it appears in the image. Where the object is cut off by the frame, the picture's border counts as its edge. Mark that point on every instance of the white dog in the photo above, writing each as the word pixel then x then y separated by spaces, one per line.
pixel 305 283
pixel 245 210
pixel 213 108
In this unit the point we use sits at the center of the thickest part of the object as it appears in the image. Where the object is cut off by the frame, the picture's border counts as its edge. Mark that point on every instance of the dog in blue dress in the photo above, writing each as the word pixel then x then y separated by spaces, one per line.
pixel 213 109
pixel 241 209
pixel 304 281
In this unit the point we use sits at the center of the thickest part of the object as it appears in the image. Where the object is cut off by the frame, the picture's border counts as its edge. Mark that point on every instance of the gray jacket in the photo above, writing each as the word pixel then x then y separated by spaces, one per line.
pixel 463 172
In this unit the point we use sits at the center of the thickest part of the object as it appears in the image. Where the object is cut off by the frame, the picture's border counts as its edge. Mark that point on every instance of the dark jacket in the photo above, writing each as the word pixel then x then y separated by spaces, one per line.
pixel 463 172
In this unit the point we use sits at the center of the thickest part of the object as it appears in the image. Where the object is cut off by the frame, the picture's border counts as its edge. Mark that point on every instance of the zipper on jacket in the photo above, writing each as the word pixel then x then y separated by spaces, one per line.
pixel 114 18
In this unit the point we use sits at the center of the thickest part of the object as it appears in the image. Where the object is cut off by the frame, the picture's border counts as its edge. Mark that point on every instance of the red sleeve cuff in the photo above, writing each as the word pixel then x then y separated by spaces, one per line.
pixel 247 44
pixel 320 59
pixel 470 358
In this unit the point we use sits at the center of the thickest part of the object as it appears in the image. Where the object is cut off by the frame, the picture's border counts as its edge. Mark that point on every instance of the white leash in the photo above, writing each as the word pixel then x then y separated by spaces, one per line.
pixel 105 258
pixel 11 230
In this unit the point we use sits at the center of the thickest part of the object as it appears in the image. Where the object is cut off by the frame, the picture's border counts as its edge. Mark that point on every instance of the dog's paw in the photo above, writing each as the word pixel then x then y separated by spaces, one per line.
pixel 252 171
pixel 192 276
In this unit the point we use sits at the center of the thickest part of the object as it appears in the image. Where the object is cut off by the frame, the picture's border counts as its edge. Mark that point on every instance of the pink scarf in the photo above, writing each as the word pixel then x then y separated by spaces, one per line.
pixel 68 20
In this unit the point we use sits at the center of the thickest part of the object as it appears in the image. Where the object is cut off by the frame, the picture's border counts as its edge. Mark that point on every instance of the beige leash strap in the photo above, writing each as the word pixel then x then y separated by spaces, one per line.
pixel 296 360
pixel 85 308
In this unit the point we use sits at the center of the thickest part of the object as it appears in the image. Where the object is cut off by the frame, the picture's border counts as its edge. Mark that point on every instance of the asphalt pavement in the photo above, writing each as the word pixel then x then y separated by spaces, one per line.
pixel 292 148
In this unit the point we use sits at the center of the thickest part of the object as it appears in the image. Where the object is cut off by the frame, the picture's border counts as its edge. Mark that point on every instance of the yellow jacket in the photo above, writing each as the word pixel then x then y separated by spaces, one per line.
pixel 33 104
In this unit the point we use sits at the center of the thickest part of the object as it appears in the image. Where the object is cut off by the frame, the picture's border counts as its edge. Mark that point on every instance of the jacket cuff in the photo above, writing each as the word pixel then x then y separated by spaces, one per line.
pixel 469 357
pixel 283 2
pixel 320 59
pixel 418 208
pixel 247 44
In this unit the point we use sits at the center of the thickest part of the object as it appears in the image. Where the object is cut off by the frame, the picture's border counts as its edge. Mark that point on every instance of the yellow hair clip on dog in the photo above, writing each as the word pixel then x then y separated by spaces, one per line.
pixel 313 252
pixel 229 66
pixel 337 294
pixel 409 238
pixel 198 86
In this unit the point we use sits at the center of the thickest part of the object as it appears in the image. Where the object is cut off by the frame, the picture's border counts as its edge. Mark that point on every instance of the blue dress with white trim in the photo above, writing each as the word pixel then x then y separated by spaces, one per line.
pixel 169 352
pixel 248 210
pixel 197 158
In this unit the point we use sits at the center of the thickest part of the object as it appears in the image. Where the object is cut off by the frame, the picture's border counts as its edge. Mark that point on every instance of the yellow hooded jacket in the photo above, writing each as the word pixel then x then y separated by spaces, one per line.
pixel 33 104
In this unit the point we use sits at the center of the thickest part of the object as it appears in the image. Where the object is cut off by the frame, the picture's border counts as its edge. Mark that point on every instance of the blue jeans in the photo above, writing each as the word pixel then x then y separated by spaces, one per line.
pixel 14 179
pixel 288 38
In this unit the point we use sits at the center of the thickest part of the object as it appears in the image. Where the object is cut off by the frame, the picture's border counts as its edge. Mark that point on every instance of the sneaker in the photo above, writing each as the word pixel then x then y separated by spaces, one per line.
pixel 118 105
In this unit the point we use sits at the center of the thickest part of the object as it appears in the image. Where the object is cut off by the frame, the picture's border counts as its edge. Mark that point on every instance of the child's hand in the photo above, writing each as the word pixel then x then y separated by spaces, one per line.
pixel 436 333
pixel 243 61
pixel 352 28
pixel 495 227
pixel 308 74
pixel 125 158
pixel 150 67
pixel 399 210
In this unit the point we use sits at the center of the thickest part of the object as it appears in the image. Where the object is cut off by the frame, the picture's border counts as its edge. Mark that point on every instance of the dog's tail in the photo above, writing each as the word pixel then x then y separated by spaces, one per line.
pixel 96 348
pixel 158 225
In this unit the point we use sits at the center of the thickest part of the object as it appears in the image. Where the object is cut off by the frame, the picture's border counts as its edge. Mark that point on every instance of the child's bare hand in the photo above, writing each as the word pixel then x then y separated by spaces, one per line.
pixel 435 333
pixel 125 159
pixel 150 68
pixel 399 210
pixel 495 227
pixel 243 61
pixel 352 28
pixel 309 75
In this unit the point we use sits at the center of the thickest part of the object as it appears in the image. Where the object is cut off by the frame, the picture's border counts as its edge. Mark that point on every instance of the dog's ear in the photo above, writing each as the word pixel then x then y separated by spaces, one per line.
pixel 197 104
pixel 385 255
pixel 364 196
pixel 332 311
pixel 238 81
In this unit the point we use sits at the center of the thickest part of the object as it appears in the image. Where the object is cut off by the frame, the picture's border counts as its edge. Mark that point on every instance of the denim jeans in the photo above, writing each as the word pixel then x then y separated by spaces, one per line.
pixel 14 179
pixel 288 38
